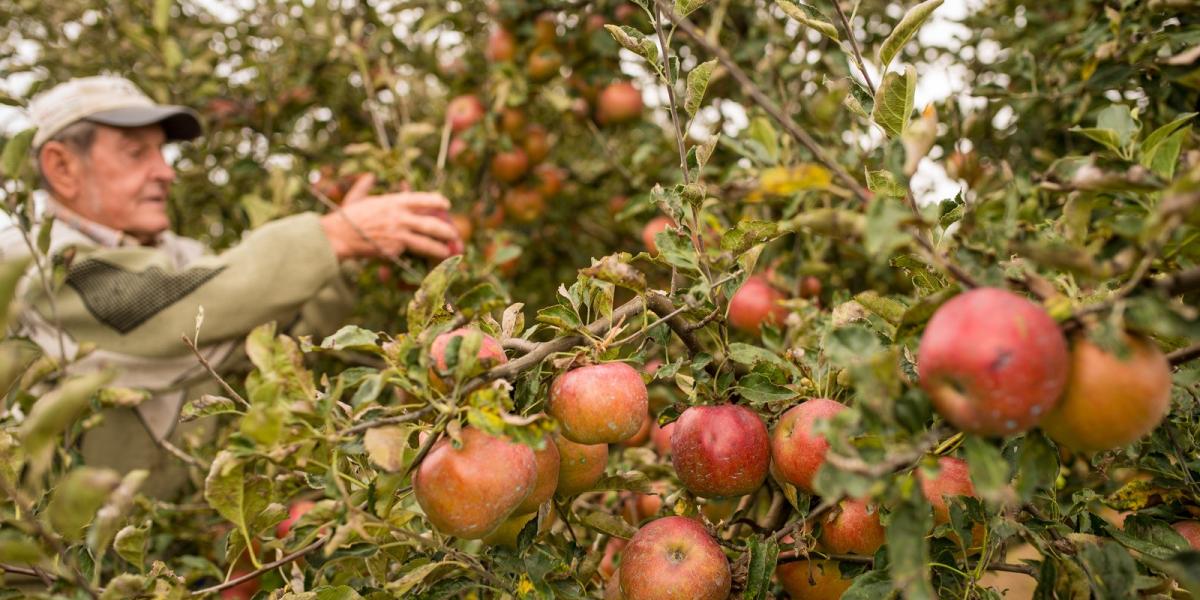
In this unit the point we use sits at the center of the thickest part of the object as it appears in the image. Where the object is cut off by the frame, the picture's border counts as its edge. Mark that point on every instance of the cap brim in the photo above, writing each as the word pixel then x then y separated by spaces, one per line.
pixel 178 122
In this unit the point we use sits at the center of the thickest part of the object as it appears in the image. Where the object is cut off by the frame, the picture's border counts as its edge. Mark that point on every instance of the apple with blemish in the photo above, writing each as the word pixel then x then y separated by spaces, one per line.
pixel 548 465
pixel 812 579
pixel 993 363
pixel 852 528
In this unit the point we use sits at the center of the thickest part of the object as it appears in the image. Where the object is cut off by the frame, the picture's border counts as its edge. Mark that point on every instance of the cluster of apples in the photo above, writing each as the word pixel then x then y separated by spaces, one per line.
pixel 996 364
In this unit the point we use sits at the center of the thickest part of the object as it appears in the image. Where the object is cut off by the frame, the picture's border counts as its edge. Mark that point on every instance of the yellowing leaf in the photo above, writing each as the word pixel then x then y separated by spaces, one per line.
pixel 783 181
pixel 386 446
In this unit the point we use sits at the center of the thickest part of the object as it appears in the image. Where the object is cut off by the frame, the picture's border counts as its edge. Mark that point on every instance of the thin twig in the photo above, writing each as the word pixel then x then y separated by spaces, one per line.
pixel 404 418
pixel 37 256
pixel 211 371
pixel 521 345
pixel 236 581
pixel 26 571
pixel 1184 355
pixel 837 5
pixel 766 103
pixel 180 454
pixel 794 555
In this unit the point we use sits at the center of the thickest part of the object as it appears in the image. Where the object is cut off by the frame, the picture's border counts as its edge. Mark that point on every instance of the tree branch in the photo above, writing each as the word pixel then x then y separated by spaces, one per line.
pixel 211 371
pixel 837 5
pixel 1184 355
pixel 267 567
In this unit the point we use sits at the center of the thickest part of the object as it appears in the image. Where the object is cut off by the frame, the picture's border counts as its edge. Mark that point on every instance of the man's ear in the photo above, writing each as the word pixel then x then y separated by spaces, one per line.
pixel 62 168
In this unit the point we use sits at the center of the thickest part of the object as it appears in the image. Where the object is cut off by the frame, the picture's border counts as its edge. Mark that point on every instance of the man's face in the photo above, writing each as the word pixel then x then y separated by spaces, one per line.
pixel 125 181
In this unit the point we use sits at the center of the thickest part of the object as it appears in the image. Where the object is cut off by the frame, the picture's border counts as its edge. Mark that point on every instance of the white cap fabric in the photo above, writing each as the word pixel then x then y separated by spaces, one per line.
pixel 107 100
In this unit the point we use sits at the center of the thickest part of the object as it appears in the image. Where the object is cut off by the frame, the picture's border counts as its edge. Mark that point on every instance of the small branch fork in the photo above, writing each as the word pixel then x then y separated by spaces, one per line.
pixel 236 581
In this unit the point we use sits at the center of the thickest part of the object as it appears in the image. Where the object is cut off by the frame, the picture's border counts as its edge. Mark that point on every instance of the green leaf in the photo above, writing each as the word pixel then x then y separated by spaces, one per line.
pixel 989 470
pixel 400 587
pixel 687 7
pixel 1118 119
pixel 883 183
pixel 750 355
pixel 562 317
pixel 1113 570
pixel 697 83
pixel 1106 137
pixel 616 271
pixel 351 337
pixel 871 585
pixel 110 516
pixel 904 30
pixel 52 414
pixel 635 42
pixel 610 524
pixel 908 548
pixel 676 249
pixel 235 494
pixel 807 16
pixel 894 100
pixel 1149 536
pixel 130 544
pixel 763 555
pixel 207 405
pixel 629 480
pixel 759 390
pixel 1160 149
pixel 847 346
pixel 885 230
pixel 76 499
pixel 19 549
pixel 430 298
pixel 16 150
pixel 387 446
pixel 1037 465
pixel 888 309
pixel 162 14
pixel 763 132
pixel 341 592
pixel 747 234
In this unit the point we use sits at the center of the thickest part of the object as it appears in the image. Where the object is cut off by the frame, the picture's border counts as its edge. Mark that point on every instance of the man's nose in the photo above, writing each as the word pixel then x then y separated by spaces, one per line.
pixel 163 171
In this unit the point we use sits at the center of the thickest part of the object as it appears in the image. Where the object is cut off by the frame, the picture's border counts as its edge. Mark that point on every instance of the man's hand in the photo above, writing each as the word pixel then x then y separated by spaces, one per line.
pixel 392 223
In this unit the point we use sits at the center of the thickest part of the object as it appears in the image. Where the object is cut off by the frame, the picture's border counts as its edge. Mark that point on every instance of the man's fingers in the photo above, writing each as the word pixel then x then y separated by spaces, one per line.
pixel 419 200
pixel 361 188
pixel 419 244
pixel 431 226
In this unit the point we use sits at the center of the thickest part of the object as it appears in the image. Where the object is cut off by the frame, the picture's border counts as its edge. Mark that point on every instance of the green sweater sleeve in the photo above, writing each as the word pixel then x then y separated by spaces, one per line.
pixel 135 301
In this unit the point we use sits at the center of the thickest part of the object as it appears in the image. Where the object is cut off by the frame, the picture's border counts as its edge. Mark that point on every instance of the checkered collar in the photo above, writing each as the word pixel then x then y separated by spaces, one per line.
pixel 102 234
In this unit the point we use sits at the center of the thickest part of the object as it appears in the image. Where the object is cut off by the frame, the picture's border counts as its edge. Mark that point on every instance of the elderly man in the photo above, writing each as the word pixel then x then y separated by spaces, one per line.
pixel 133 287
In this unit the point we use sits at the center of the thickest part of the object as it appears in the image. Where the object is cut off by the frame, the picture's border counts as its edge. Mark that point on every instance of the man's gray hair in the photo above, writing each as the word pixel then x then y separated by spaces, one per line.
pixel 78 136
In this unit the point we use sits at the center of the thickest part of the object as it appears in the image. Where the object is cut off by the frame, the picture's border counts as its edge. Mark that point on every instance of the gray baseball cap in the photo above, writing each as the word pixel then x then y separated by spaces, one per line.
pixel 107 100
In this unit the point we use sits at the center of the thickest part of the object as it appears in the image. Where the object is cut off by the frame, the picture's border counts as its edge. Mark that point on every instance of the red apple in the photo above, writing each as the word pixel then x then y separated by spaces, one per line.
pixel 524 204
pixel 810 287
pixel 798 452
pixel 674 558
pixel 642 434
pixel 509 166
pixel 755 303
pixel 655 225
pixel 612 550
pixel 468 492
pixel 599 404
pixel 662 437
pixel 547 478
pixel 536 143
pixel 501 45
pixel 512 122
pixel 490 351
pixel 993 362
pixel 550 179
pixel 460 153
pixel 543 63
pixel 720 451
pixel 1111 401
pixel 295 511
pixel 953 479
pixel 853 528
pixel 812 579
pixel 618 102
pixel 580 466
pixel 1190 530
pixel 463 112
